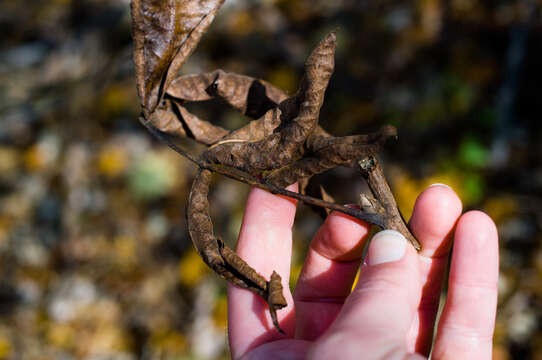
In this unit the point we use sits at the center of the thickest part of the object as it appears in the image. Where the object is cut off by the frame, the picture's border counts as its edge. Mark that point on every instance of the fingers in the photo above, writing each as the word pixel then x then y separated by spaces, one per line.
pixel 282 349
pixel 435 214
pixel 377 315
pixel 265 243
pixel 466 327
pixel 328 273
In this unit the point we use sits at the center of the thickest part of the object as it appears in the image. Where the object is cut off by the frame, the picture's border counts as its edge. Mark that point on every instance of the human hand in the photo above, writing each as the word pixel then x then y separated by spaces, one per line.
pixel 391 312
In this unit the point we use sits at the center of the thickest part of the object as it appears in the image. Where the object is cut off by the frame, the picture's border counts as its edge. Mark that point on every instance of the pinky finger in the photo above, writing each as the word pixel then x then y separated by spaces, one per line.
pixel 466 327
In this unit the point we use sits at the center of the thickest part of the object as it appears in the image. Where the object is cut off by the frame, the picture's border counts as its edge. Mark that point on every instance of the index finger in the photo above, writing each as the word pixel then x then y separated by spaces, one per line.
pixel 265 243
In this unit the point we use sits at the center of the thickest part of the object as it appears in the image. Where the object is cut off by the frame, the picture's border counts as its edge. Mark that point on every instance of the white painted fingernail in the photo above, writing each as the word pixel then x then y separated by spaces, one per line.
pixel 386 246
pixel 440 184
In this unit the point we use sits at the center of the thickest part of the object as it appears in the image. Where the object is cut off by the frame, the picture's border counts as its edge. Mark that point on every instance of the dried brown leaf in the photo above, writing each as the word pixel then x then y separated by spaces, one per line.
pixel 318 70
pixel 283 145
pixel 176 120
pixel 192 87
pixel 199 221
pixel 328 152
pixel 286 143
pixel 200 130
pixel 250 96
pixel 165 120
pixel 219 257
pixel 196 17
pixel 165 32
pixel 256 130
pixel 275 298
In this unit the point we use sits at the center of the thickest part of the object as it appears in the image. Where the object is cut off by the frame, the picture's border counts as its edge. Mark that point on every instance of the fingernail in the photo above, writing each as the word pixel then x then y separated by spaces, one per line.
pixel 439 184
pixel 386 246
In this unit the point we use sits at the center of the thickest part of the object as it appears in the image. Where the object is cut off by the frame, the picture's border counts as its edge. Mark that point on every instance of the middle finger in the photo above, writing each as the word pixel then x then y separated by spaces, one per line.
pixel 328 273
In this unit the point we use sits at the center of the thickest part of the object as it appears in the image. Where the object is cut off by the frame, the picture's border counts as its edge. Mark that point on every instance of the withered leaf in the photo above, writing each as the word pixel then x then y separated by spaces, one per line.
pixel 256 130
pixel 211 249
pixel 250 96
pixel 199 221
pixel 310 97
pixel 200 130
pixel 219 257
pixel 253 97
pixel 165 32
pixel 285 144
pixel 175 120
pixel 192 87
pixel 165 120
pixel 327 152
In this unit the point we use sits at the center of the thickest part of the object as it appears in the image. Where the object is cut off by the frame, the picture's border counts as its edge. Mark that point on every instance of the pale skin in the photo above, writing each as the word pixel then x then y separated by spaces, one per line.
pixel 391 312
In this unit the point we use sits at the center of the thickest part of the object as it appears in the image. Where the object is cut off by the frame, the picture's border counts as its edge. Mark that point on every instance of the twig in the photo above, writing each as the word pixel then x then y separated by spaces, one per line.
pixel 393 219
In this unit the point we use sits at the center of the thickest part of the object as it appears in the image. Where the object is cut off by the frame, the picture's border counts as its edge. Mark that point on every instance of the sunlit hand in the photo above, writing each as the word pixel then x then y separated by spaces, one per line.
pixel 391 312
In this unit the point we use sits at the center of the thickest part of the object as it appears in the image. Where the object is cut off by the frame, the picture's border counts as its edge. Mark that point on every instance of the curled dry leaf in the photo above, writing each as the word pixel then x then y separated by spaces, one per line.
pixel 200 130
pixel 250 96
pixel 282 144
pixel 174 119
pixel 219 257
pixel 285 144
pixel 328 152
pixel 165 33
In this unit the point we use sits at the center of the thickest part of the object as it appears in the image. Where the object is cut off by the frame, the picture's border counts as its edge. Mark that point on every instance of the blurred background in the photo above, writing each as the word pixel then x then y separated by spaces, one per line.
pixel 95 259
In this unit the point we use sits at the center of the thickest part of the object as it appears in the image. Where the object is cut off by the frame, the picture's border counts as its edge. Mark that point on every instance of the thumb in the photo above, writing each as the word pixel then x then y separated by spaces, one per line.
pixel 380 310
